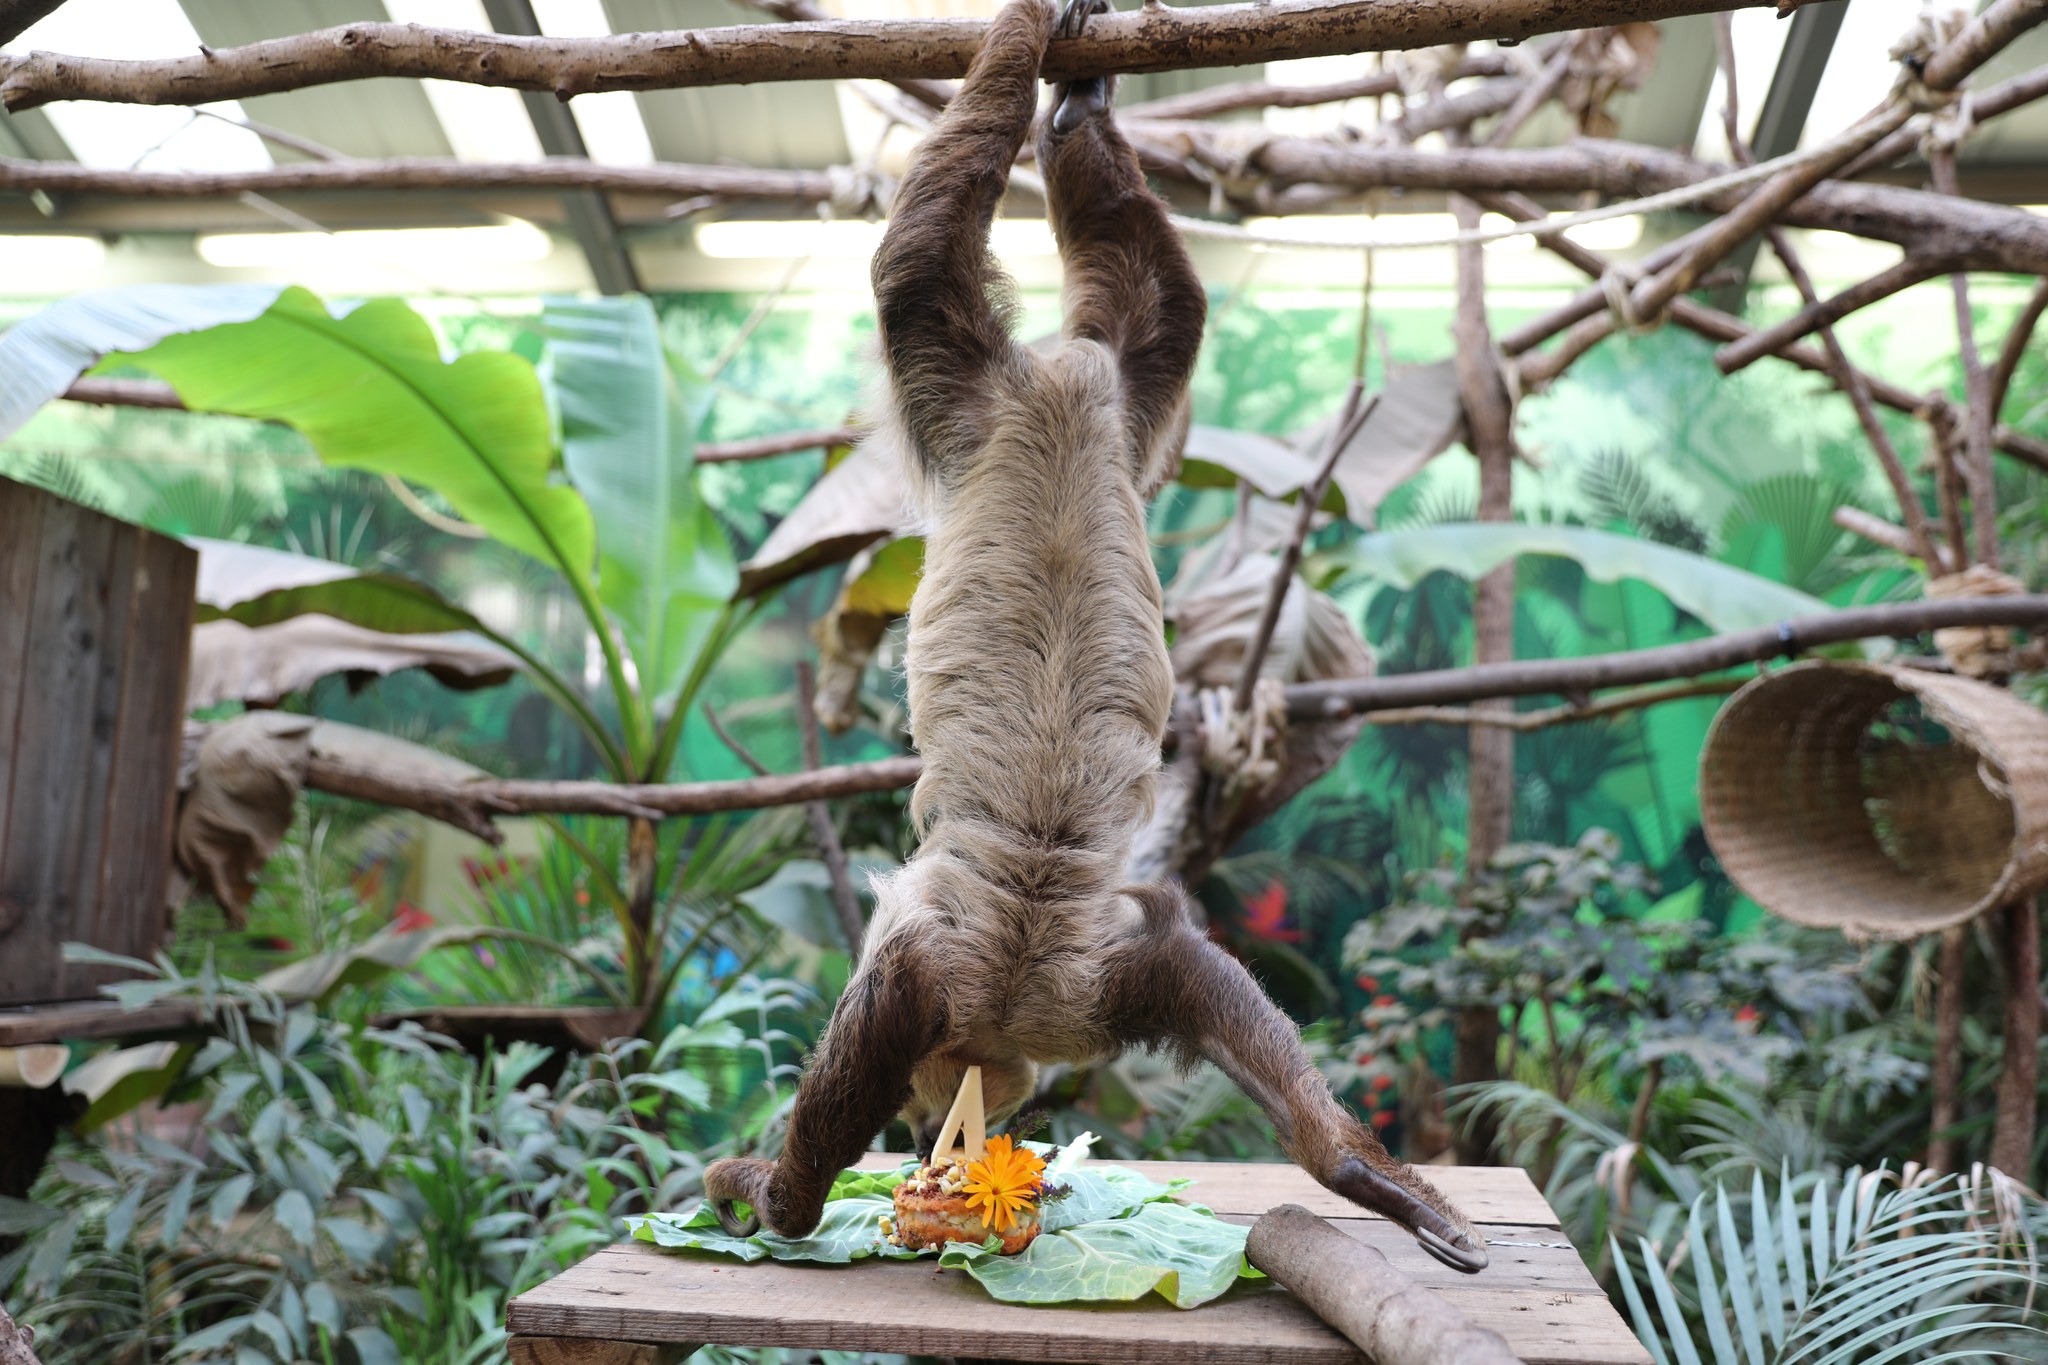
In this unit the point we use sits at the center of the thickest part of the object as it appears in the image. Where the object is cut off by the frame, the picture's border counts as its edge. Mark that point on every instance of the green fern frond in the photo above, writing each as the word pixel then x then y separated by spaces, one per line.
pixel 1866 1270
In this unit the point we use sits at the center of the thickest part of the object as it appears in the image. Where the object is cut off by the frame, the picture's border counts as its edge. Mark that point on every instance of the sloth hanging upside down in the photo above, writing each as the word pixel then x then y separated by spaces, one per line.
pixel 1038 676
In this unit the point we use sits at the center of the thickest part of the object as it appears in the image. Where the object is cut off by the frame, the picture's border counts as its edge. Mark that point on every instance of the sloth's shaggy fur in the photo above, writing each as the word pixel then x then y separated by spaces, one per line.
pixel 1039 680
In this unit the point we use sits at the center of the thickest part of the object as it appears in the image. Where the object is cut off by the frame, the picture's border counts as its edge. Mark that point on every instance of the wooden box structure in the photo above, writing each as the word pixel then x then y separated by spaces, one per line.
pixel 634 1304
pixel 95 631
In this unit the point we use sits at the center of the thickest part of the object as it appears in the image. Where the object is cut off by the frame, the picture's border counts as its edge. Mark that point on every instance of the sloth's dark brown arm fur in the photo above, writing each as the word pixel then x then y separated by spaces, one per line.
pixel 1175 988
pixel 939 297
pixel 889 1018
pixel 1130 284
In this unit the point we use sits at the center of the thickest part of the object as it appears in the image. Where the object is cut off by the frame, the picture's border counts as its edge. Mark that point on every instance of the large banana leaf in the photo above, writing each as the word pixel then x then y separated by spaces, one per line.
pixel 629 423
pixel 370 390
pixel 41 355
pixel 1724 597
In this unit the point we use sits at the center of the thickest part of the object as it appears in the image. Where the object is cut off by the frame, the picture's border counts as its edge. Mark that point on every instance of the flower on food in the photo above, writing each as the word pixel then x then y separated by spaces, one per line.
pixel 1004 1182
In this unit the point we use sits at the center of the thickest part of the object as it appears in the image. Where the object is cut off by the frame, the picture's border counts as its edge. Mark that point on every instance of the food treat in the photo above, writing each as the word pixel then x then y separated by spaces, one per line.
pixel 953 1199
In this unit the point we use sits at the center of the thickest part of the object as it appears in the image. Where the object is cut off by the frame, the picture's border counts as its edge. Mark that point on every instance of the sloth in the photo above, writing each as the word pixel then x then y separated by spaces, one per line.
pixel 1039 685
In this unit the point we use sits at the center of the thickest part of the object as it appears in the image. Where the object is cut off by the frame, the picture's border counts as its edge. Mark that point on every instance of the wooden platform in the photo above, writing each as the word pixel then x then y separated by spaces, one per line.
pixel 1537 1293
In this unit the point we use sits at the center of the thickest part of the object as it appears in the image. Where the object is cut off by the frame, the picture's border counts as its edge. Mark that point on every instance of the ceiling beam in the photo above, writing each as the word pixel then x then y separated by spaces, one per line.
pixel 588 212
pixel 1782 120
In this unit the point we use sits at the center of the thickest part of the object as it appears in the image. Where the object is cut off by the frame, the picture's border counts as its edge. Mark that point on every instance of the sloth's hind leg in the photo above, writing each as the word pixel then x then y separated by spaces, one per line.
pixel 885 1024
pixel 1172 986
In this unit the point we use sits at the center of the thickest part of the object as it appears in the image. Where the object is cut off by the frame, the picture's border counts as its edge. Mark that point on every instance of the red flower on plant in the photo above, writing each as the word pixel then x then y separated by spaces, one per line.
pixel 1746 1015
pixel 1380 1002
pixel 1382 1081
pixel 409 918
pixel 1265 915
pixel 1383 1119
pixel 1368 983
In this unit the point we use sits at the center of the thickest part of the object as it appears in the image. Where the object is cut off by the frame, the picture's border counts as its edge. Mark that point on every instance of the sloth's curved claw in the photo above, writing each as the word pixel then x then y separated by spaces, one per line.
pixel 729 1219
pixel 1459 1248
pixel 1074 16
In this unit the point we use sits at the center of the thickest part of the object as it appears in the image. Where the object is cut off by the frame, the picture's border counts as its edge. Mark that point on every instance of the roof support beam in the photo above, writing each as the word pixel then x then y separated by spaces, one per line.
pixel 1782 120
pixel 589 213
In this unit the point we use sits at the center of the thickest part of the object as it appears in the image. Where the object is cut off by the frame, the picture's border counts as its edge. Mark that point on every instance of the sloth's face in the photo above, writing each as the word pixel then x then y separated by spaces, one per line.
pixel 1005 1086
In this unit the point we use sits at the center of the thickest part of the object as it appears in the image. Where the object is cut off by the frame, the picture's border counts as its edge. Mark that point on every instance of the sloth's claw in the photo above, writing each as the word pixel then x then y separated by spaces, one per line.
pixel 1439 1236
pixel 1075 14
pixel 729 1219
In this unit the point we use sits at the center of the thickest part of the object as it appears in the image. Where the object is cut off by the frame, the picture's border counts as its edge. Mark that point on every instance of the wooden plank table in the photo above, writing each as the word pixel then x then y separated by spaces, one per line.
pixel 634 1304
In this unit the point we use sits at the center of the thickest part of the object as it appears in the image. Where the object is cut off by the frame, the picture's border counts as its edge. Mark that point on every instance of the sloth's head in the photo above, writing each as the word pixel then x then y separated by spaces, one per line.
pixel 1005 1086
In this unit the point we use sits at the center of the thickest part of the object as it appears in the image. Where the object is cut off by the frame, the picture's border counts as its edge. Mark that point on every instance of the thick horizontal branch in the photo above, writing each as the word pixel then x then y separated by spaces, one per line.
pixel 1572 677
pixel 1154 38
pixel 472 805
pixel 421 173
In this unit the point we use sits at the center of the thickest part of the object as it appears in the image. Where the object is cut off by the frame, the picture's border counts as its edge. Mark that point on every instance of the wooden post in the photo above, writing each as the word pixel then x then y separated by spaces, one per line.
pixel 1490 765
pixel 95 626
pixel 2019 1078
pixel 1948 1046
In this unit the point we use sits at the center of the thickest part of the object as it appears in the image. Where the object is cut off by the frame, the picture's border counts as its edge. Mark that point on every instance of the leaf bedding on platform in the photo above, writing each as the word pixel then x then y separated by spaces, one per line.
pixel 1113 1236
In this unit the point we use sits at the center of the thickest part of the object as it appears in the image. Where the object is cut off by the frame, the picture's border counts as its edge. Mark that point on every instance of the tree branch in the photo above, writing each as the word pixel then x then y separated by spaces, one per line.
pixel 1349 1285
pixel 1351 415
pixel 1155 38
pixel 1914 268
pixel 1539 677
pixel 1851 383
pixel 2015 346
pixel 822 832
pixel 762 447
pixel 1987 35
pixel 667 179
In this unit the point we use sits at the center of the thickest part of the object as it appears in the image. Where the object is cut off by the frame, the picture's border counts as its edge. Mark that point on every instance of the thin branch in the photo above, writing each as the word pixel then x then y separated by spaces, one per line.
pixel 1914 268
pixel 1538 677
pixel 1945 437
pixel 1533 96
pixel 829 848
pixel 1230 99
pixel 1351 416
pixel 1876 530
pixel 1851 383
pixel 1461 110
pixel 1538 369
pixel 319 151
pixel 1987 103
pixel 1979 417
pixel 762 447
pixel 1709 244
pixel 1155 38
pixel 1570 713
pixel 731 742
pixel 2016 338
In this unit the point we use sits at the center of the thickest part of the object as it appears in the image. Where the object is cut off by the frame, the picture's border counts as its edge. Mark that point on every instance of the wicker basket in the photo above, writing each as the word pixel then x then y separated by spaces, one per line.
pixel 1884 802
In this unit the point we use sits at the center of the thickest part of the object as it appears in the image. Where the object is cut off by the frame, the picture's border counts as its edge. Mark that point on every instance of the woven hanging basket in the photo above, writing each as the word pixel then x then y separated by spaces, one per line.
pixel 1884 802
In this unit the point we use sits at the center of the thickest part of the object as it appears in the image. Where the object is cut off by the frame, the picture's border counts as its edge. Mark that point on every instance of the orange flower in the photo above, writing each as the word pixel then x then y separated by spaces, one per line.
pixel 1003 1182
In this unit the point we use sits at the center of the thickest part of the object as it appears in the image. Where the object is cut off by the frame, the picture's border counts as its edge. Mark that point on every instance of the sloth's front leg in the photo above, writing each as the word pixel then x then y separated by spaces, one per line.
pixel 885 1023
pixel 1173 986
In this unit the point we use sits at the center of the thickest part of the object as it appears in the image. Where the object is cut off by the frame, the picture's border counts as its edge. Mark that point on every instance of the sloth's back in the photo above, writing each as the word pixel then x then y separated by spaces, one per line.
pixel 1038 675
